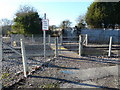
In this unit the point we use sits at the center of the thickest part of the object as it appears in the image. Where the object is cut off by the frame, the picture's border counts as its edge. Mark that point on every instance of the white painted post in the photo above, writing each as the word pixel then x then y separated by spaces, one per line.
pixel 44 39
pixel 110 47
pixel 1 57
pixel 80 45
pixel 11 40
pixel 24 58
pixel 56 46
pixel 32 38
pixel 49 39
pixel 86 39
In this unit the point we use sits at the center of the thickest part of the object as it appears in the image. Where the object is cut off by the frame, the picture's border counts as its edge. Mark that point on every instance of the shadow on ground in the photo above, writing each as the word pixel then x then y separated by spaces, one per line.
pixel 56 66
pixel 94 60
pixel 72 82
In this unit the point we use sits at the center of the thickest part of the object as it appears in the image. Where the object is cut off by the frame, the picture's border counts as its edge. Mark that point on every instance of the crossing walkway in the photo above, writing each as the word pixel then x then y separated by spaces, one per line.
pixel 65 52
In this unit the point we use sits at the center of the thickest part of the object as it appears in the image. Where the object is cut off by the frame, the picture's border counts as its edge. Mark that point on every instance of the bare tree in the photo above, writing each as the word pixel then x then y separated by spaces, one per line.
pixel 53 27
pixel 25 9
pixel 65 24
pixel 6 22
pixel 81 18
pixel 81 21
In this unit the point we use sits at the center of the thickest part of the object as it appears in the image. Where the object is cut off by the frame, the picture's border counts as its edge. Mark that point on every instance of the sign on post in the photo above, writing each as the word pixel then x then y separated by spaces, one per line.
pixel 45 24
pixel 45 27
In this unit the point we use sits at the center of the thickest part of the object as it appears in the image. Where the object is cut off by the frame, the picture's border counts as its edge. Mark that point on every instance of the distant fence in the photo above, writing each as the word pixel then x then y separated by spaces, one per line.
pixel 96 35
pixel 101 36
pixel 34 45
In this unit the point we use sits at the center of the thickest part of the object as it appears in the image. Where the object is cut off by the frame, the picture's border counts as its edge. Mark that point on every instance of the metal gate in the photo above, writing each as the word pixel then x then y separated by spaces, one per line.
pixel 71 46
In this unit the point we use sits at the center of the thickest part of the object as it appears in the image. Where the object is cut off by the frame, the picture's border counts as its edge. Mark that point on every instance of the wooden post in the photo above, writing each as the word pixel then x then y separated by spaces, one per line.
pixel 80 45
pixel 110 47
pixel 56 46
pixel 24 58
pixel 86 39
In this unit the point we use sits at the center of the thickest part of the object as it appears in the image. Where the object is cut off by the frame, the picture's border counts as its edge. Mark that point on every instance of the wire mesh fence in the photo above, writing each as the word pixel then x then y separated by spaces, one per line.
pixel 34 49
pixel 100 46
pixel 12 59
pixel 34 45
pixel 92 46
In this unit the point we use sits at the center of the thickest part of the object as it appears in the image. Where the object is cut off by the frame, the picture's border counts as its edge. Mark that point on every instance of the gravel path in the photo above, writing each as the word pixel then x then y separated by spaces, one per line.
pixel 54 75
pixel 10 67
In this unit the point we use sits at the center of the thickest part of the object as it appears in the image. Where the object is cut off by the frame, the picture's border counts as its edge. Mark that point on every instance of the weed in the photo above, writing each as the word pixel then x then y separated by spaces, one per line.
pixel 49 86
pixel 4 75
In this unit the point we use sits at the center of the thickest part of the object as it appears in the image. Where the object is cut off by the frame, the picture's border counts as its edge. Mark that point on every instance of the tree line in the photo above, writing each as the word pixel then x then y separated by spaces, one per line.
pixel 103 14
pixel 99 15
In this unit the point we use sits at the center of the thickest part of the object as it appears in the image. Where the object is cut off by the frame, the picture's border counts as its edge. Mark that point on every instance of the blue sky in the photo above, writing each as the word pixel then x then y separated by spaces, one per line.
pixel 56 11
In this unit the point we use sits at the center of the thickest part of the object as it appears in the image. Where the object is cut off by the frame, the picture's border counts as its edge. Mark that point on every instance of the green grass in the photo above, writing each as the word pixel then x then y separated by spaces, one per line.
pixel 4 75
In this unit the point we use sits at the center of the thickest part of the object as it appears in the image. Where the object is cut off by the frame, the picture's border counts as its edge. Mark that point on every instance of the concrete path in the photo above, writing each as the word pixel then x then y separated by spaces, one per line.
pixel 93 73
pixel 70 85
pixel 65 52
pixel 88 74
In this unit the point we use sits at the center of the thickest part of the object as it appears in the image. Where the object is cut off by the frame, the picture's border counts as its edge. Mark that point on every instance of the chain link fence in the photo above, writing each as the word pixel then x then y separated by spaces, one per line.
pixel 92 46
pixel 100 46
pixel 84 45
pixel 12 56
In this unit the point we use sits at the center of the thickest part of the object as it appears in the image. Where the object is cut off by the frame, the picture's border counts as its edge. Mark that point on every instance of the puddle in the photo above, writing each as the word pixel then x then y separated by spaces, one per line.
pixel 67 72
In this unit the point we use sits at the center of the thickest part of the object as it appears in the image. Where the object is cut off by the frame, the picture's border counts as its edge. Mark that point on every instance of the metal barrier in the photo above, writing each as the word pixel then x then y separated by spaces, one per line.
pixel 106 47
pixel 30 53
pixel 84 46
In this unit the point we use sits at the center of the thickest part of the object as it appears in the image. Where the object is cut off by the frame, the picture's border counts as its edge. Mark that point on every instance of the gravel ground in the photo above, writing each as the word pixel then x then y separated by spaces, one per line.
pixel 10 67
pixel 52 75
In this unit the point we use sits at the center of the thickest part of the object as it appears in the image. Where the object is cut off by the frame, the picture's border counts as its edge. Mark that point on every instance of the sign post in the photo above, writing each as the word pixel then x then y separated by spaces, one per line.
pixel 45 25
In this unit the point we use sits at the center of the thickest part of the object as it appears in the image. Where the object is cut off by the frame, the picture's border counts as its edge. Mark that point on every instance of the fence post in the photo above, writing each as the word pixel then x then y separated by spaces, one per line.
pixel 56 46
pixel 11 40
pixel 61 39
pixel 110 47
pixel 24 58
pixel 1 57
pixel 80 45
pixel 32 38
pixel 86 39
pixel 49 39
